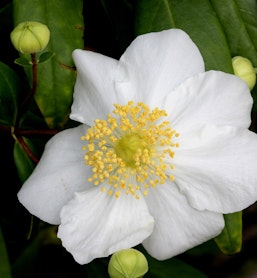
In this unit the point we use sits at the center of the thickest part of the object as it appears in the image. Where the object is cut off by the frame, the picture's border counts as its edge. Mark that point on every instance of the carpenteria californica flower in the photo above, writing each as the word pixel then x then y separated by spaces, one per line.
pixel 162 153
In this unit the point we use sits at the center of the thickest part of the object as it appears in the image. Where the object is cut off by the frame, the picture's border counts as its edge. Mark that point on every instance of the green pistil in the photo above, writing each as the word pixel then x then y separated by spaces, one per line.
pixel 127 148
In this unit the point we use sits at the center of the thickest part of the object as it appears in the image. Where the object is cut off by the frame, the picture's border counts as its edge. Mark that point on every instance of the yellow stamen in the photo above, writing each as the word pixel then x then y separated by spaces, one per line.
pixel 129 150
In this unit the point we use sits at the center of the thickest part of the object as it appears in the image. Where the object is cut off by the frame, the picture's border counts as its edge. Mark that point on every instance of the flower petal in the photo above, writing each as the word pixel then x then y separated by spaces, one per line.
pixel 94 93
pixel 178 226
pixel 216 170
pixel 211 97
pixel 154 64
pixel 95 224
pixel 59 173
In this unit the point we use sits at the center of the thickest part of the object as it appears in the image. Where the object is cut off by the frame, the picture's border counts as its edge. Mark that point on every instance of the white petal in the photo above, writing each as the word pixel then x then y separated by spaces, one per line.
pixel 59 173
pixel 217 168
pixel 95 224
pixel 94 93
pixel 178 226
pixel 154 64
pixel 211 97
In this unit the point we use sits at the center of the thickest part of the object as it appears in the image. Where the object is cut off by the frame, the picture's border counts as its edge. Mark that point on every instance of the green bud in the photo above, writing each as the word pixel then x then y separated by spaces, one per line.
pixel 244 69
pixel 30 37
pixel 129 263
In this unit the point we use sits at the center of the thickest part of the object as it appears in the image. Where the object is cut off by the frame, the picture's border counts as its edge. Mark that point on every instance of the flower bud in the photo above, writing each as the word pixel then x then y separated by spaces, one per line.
pixel 129 263
pixel 244 69
pixel 30 37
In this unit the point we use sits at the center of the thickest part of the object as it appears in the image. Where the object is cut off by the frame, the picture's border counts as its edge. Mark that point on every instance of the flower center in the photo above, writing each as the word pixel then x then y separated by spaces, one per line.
pixel 131 150
pixel 128 147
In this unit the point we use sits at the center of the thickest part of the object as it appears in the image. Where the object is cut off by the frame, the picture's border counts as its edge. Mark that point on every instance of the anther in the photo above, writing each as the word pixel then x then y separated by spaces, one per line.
pixel 133 143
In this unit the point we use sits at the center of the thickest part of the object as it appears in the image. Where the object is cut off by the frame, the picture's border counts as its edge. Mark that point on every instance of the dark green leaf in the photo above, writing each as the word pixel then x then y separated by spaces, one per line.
pixel 5 269
pixel 230 240
pixel 240 26
pixel 24 266
pixel 248 11
pixel 23 162
pixel 98 268
pixel 45 56
pixel 9 90
pixel 32 118
pixel 171 268
pixel 197 18
pixel 55 76
pixel 22 61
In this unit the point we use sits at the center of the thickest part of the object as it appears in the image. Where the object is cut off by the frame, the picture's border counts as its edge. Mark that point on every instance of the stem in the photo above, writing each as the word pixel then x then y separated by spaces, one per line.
pixel 27 149
pixel 28 132
pixel 23 106
pixel 49 132
pixel 34 81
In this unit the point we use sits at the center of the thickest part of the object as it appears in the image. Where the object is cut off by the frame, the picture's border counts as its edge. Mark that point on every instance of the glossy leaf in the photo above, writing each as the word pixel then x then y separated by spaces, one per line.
pixel 23 162
pixel 56 77
pixel 9 90
pixel 240 26
pixel 197 18
pixel 248 10
pixel 45 56
pixel 230 240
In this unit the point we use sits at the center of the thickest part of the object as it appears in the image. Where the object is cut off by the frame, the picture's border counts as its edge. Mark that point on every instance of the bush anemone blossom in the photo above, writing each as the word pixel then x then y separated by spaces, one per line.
pixel 162 152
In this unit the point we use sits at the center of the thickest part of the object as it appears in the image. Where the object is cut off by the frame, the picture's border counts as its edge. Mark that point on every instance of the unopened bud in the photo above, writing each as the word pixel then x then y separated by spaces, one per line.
pixel 30 37
pixel 129 263
pixel 244 69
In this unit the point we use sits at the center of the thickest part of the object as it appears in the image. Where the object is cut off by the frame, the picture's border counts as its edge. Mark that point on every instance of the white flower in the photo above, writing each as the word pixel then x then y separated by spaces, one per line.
pixel 162 169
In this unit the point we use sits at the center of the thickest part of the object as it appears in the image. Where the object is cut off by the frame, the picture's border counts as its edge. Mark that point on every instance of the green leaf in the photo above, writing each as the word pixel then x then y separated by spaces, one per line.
pixel 197 18
pixel 32 118
pixel 248 10
pixel 5 269
pixel 45 56
pixel 98 268
pixel 24 266
pixel 55 76
pixel 23 162
pixel 22 61
pixel 171 268
pixel 9 90
pixel 230 239
pixel 240 26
